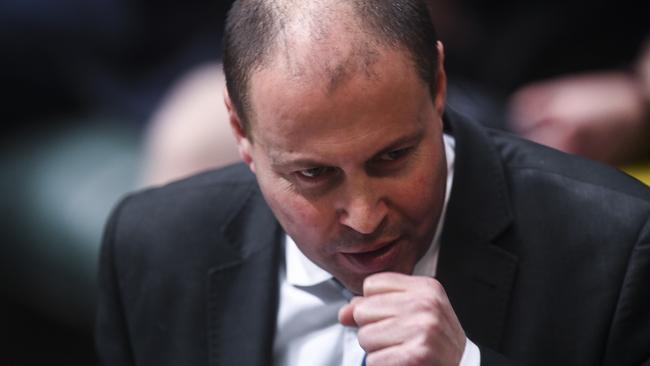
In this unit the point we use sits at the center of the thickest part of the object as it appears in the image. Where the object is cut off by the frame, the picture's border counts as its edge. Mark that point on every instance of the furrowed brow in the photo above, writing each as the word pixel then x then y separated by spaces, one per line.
pixel 410 139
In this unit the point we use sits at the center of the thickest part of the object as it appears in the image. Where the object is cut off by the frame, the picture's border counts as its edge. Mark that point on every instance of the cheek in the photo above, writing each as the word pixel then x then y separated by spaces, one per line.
pixel 418 199
pixel 310 225
pixel 424 193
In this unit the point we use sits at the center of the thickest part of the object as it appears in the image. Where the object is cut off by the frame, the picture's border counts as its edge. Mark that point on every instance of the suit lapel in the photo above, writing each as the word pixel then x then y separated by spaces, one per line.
pixel 243 290
pixel 477 274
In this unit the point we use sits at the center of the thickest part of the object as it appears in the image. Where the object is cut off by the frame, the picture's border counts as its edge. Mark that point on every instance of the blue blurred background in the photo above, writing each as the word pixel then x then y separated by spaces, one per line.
pixel 80 80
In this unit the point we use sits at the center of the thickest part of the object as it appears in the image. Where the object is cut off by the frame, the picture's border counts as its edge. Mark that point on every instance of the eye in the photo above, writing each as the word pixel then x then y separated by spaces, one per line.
pixel 394 154
pixel 314 173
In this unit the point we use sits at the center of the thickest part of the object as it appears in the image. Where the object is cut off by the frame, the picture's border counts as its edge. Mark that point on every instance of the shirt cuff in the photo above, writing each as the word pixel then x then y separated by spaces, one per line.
pixel 471 355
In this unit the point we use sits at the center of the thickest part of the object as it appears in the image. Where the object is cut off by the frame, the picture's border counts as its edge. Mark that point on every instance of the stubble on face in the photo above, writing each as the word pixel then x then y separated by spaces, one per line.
pixel 333 108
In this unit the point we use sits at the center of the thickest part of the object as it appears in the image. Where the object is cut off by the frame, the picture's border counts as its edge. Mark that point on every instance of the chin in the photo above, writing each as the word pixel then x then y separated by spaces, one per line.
pixel 353 283
pixel 356 287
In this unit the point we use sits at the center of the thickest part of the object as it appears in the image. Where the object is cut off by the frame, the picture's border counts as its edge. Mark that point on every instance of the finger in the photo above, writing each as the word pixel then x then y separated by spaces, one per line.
pixel 346 313
pixel 429 326
pixel 394 282
pixel 392 332
pixel 386 282
pixel 391 294
pixel 381 306
pixel 402 304
pixel 398 355
pixel 421 294
pixel 382 334
pixel 346 316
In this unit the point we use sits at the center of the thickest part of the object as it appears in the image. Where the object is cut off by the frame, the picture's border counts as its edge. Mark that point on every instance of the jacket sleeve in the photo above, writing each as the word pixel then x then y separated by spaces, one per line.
pixel 492 358
pixel 111 333
pixel 628 342
pixel 629 339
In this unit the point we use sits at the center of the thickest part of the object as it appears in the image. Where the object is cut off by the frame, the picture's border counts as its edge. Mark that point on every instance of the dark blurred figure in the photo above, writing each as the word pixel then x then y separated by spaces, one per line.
pixel 79 80
pixel 569 74
pixel 571 79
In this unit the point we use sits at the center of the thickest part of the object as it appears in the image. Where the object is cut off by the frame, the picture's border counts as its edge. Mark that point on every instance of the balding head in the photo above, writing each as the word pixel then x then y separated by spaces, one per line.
pixel 321 43
pixel 322 40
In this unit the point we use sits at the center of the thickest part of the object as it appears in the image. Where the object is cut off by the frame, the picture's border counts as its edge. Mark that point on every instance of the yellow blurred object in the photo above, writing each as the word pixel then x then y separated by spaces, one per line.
pixel 640 171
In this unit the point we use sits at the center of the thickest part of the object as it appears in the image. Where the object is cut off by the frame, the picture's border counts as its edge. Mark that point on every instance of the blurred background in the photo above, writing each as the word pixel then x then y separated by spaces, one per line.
pixel 81 80
pixel 102 97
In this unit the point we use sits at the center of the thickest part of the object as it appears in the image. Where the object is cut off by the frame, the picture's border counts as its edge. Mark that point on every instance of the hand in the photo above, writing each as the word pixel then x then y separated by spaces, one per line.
pixel 599 116
pixel 405 320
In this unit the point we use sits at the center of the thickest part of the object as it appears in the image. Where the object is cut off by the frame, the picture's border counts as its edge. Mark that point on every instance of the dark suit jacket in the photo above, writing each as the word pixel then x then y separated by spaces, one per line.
pixel 545 258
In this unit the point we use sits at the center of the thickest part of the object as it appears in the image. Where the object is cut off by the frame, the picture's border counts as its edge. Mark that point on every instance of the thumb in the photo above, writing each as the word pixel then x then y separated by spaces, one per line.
pixel 346 313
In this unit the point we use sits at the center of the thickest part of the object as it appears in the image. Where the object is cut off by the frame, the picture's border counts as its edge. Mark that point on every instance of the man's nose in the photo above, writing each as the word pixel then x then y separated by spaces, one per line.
pixel 364 209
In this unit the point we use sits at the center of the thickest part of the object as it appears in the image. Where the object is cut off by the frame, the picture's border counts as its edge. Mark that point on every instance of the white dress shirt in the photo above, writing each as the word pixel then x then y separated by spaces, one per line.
pixel 308 331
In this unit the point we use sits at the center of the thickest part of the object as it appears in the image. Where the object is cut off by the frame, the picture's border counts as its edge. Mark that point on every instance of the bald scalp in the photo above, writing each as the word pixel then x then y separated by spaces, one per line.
pixel 324 44
pixel 322 40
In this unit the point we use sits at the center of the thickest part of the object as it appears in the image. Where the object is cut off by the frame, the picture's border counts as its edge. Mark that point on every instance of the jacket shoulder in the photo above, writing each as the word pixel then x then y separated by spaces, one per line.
pixel 218 191
pixel 524 158
pixel 185 219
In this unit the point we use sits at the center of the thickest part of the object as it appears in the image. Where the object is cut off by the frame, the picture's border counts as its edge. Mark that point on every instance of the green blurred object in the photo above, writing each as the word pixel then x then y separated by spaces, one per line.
pixel 58 188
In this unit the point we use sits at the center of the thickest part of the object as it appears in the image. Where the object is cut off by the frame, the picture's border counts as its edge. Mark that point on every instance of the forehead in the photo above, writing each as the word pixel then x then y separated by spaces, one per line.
pixel 354 70
pixel 313 51
pixel 304 112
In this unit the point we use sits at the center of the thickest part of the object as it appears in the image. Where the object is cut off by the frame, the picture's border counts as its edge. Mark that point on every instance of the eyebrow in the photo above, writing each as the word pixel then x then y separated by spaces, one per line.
pixel 413 138
pixel 276 164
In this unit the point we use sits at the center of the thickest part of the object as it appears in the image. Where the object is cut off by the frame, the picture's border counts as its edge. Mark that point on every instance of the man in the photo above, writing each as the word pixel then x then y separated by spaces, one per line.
pixel 460 245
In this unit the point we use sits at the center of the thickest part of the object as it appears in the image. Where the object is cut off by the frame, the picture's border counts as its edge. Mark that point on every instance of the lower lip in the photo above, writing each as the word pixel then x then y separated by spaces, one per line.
pixel 374 261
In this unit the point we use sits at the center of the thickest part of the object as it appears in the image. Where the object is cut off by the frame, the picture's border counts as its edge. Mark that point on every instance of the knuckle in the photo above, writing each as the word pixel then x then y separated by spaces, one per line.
pixel 433 285
pixel 432 322
pixel 363 337
pixel 357 313
pixel 426 304
pixel 423 304
pixel 428 325
pixel 360 312
pixel 370 282
pixel 419 354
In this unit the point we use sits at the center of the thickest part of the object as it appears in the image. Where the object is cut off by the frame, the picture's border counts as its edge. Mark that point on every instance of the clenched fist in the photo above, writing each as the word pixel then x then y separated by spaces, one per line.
pixel 405 320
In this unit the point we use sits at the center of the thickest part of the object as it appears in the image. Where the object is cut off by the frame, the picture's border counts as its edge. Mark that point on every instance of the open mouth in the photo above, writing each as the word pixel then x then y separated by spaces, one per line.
pixel 375 260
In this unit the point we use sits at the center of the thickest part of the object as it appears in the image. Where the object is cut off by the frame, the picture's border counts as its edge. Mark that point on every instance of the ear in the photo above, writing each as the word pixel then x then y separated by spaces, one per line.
pixel 244 144
pixel 441 81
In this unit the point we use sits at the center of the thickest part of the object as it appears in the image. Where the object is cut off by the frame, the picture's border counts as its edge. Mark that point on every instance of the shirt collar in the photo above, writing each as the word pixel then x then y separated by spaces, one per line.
pixel 301 271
